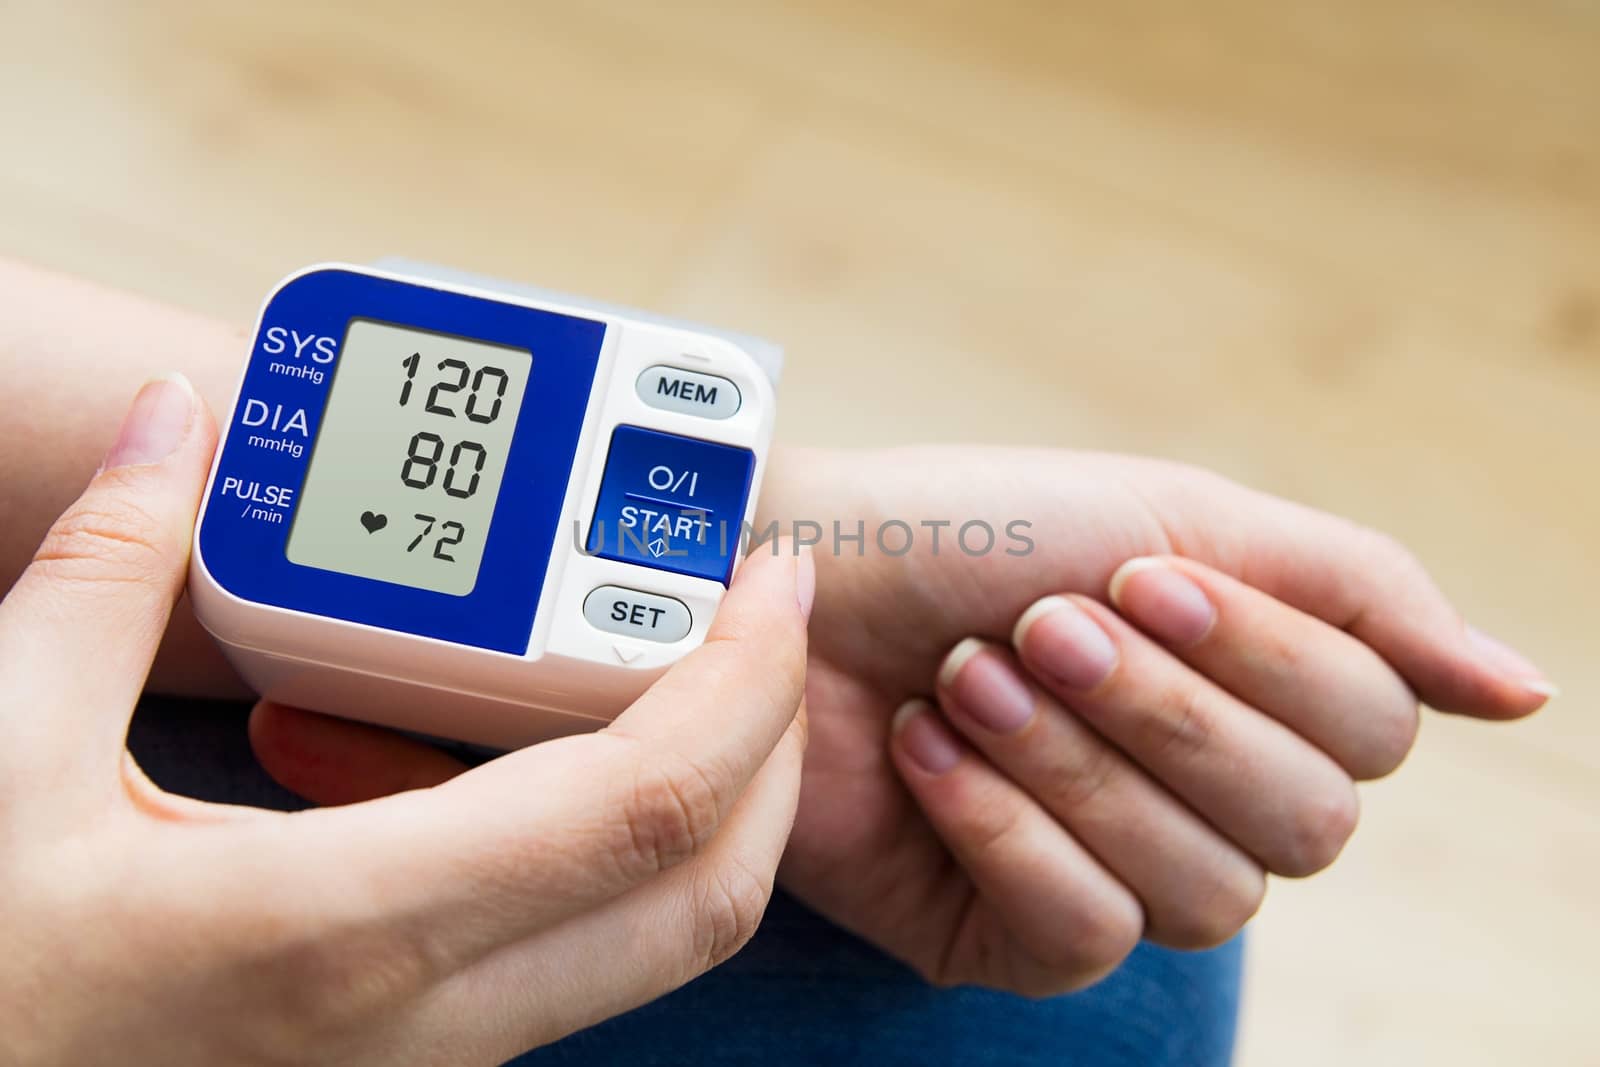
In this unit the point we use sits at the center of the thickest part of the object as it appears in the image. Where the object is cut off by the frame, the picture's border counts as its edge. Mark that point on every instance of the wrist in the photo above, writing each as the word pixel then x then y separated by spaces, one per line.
pixel 804 484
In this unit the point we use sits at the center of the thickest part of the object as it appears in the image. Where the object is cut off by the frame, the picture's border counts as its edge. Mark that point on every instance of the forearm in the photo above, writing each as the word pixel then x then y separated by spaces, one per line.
pixel 74 353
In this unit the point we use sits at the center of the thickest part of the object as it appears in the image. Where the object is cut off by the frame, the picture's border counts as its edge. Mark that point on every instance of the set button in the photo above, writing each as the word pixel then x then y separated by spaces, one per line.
pixel 684 391
pixel 631 613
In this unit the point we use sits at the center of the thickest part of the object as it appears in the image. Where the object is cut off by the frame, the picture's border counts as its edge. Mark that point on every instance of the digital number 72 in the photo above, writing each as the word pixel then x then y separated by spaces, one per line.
pixel 440 544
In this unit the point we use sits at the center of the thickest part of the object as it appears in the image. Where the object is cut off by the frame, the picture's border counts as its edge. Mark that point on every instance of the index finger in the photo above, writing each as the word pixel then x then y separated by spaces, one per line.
pixel 541 834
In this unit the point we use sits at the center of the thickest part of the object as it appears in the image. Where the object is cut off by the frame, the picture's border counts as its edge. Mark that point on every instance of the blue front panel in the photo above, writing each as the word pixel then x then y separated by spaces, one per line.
pixel 263 466
pixel 672 503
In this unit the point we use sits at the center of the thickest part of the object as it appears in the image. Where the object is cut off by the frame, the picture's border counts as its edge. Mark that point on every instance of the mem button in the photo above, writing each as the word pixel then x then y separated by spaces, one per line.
pixel 671 389
pixel 634 614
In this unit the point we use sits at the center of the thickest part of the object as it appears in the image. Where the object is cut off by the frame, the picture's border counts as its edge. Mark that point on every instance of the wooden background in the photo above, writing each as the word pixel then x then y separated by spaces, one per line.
pixel 1347 251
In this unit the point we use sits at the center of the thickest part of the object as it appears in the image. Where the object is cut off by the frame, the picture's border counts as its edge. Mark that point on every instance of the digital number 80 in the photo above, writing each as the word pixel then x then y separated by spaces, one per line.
pixel 428 464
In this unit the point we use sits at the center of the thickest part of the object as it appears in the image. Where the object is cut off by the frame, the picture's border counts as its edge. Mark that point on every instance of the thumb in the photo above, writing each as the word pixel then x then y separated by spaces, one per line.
pixel 80 627
pixel 751 668
pixel 1368 584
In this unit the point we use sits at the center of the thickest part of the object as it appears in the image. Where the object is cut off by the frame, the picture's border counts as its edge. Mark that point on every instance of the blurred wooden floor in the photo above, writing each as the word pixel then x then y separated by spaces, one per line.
pixel 1349 252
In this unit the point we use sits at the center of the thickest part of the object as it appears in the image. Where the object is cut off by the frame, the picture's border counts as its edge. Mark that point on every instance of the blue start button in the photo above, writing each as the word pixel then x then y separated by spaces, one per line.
pixel 671 503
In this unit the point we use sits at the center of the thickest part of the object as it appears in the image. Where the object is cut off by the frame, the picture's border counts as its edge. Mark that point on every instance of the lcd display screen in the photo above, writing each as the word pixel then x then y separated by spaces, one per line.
pixel 410 456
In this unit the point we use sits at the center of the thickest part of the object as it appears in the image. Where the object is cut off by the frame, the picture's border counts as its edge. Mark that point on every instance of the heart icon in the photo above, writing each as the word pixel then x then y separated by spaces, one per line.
pixel 373 522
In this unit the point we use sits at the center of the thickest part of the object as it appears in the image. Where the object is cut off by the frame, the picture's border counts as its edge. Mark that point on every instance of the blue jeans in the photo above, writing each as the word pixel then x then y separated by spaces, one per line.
pixel 803 991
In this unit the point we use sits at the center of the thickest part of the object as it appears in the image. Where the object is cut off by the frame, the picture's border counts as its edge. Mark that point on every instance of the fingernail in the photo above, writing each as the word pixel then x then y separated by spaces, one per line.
pixel 1163 601
pixel 986 688
pixel 1502 657
pixel 805 581
pixel 1065 644
pixel 156 423
pixel 929 743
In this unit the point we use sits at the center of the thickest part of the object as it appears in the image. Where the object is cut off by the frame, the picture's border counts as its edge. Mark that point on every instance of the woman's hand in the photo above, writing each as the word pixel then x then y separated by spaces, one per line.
pixel 1165 738
pixel 1125 758
pixel 532 896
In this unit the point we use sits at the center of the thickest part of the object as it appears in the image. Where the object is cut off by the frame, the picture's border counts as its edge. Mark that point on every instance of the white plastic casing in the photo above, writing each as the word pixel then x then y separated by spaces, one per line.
pixel 573 676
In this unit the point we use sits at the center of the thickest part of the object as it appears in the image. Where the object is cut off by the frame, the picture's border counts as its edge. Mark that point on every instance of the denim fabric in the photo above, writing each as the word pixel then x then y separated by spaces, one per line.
pixel 803 991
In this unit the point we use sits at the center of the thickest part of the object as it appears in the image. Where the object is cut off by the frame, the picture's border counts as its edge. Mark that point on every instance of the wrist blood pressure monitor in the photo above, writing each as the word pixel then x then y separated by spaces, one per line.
pixel 471 510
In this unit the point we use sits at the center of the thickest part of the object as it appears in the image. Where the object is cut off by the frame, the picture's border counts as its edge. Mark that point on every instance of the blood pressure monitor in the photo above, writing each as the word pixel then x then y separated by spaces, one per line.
pixel 472 510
